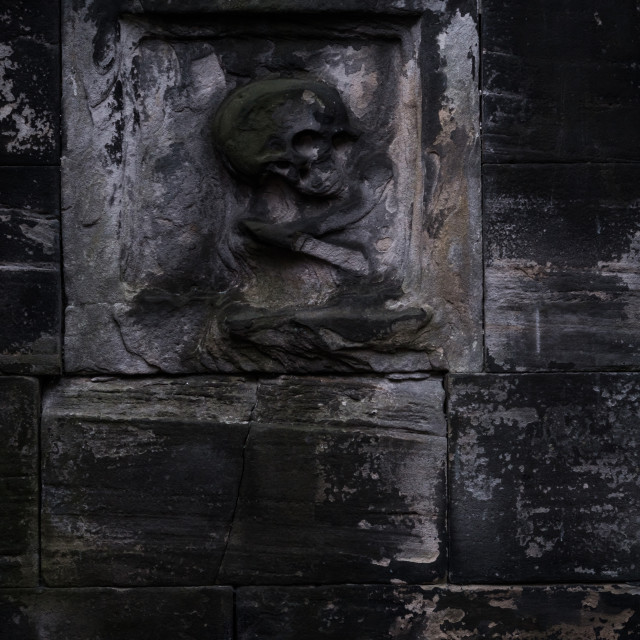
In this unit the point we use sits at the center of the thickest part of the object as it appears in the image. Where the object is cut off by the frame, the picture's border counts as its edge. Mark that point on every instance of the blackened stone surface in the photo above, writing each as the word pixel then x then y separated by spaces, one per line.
pixel 410 402
pixel 544 478
pixel 30 76
pixel 326 505
pixel 415 613
pixel 117 614
pixel 140 479
pixel 31 320
pixel 34 190
pixel 560 80
pixel 29 270
pixel 102 10
pixel 360 501
pixel 19 411
pixel 562 266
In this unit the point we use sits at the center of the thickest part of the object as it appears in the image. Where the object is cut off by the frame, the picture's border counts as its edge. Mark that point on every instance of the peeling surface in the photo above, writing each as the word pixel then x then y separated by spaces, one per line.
pixel 544 478
pixel 140 479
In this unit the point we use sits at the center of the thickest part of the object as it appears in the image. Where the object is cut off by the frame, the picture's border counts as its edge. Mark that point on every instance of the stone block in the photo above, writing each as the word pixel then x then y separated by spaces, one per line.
pixel 20 402
pixel 342 487
pixel 31 320
pixel 562 269
pixel 30 72
pixel 405 401
pixel 196 613
pixel 375 612
pixel 331 238
pixel 331 505
pixel 560 81
pixel 140 479
pixel 544 482
pixel 30 270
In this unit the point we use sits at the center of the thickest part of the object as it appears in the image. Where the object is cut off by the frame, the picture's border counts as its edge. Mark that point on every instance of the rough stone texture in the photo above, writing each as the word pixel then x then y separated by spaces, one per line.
pixel 343 482
pixel 437 613
pixel 410 402
pixel 544 479
pixel 117 614
pixel 203 272
pixel 331 505
pixel 560 82
pixel 20 408
pixel 140 479
pixel 562 267
pixel 30 82
pixel 197 479
pixel 29 270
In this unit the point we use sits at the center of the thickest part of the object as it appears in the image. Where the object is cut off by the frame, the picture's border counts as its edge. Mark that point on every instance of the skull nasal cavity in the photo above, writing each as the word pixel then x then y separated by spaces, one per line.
pixel 309 144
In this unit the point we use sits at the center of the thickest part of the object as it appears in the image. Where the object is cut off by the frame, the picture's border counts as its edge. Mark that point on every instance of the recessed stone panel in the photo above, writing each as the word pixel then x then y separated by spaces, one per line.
pixel 20 402
pixel 544 478
pixel 296 192
pixel 140 479
pixel 374 612
pixel 117 614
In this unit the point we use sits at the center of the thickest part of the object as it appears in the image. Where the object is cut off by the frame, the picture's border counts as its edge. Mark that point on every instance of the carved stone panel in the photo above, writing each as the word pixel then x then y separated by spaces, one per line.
pixel 278 191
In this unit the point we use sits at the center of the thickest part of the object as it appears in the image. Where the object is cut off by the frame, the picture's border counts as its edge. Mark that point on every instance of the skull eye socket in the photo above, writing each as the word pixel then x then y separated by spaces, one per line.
pixel 340 140
pixel 309 144
pixel 277 146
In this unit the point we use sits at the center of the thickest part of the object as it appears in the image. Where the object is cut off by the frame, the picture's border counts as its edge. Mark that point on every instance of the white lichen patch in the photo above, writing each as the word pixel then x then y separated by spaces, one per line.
pixel 24 126
pixel 42 233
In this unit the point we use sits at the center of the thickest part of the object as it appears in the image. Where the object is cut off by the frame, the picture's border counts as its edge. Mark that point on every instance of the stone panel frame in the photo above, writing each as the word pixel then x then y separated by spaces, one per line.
pixel 129 317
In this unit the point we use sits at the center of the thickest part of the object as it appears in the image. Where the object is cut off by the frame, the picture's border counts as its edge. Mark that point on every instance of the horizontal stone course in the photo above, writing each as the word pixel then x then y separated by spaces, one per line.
pixel 30 118
pixel 561 267
pixel 374 612
pixel 405 401
pixel 140 479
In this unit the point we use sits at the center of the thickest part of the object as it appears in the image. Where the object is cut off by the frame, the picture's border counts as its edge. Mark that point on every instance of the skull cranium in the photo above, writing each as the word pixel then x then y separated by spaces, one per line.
pixel 286 127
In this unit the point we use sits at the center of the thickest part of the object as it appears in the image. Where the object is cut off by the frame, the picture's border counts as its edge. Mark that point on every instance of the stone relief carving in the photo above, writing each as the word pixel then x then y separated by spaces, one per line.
pixel 294 138
pixel 272 195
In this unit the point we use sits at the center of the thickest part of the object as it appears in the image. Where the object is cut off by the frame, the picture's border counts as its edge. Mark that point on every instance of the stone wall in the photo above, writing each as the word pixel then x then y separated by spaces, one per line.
pixel 443 444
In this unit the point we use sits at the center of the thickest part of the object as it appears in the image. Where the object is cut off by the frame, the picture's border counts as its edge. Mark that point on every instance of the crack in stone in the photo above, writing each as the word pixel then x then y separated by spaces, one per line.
pixel 237 501
pixel 116 321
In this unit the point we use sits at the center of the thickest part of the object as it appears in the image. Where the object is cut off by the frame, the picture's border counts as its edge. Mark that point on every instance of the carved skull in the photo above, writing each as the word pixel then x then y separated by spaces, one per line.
pixel 287 127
